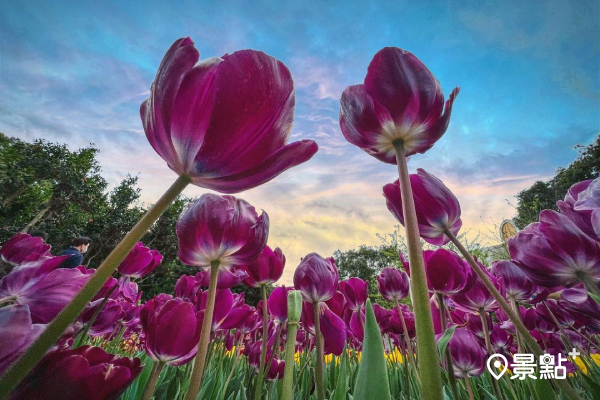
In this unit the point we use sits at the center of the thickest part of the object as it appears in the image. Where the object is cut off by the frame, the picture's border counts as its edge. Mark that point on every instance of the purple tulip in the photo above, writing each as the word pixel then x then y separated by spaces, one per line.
pixel 82 373
pixel 187 288
pixel 227 278
pixel 24 248
pixel 46 294
pixel 140 262
pixel 447 273
pixel 244 319
pixel 515 282
pixel 224 302
pixel 582 206
pixel 399 100
pixel 129 290
pixel 468 355
pixel 316 278
pixel 224 122
pixel 437 208
pixel 107 289
pixel 277 303
pixel 357 325
pixel 393 284
pixel 356 292
pixel 332 327
pixel 337 304
pixel 477 297
pixel 396 322
pixel 382 315
pixel 267 269
pixel 172 330
pixel 106 320
pixel 221 228
pixel 17 332
pixel 555 252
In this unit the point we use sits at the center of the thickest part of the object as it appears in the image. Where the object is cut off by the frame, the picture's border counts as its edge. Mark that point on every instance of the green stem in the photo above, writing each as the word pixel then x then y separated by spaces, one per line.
pixel 154 375
pixel 410 350
pixel 515 307
pixel 450 366
pixel 429 371
pixel 200 360
pixel 528 340
pixel 490 350
pixel 468 385
pixel 290 352
pixel 263 351
pixel 15 374
pixel 96 313
pixel 319 370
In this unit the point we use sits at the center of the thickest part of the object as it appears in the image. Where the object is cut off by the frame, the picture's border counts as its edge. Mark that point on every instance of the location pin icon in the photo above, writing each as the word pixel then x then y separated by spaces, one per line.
pixel 495 367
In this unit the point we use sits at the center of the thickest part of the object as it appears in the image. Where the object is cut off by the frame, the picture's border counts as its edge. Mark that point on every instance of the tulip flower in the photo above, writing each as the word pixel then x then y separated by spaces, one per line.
pixel 556 252
pixel 17 332
pixel 436 207
pixel 82 373
pixel 333 331
pixel 516 284
pixel 400 100
pixel 223 122
pixel 227 278
pixel 277 303
pixel 23 248
pixel 582 206
pixel 399 111
pixel 316 278
pixel 356 292
pixel 267 269
pixel 187 288
pixel 477 298
pixel 218 232
pixel 468 355
pixel 393 284
pixel 172 330
pixel 106 320
pixel 447 273
pixel 46 294
pixel 140 262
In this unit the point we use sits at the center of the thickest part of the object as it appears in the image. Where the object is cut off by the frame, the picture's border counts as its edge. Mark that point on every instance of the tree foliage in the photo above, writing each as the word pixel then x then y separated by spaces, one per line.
pixel 544 195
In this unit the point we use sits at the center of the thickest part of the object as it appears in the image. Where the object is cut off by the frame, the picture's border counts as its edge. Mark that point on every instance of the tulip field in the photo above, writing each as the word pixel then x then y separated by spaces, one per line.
pixel 450 326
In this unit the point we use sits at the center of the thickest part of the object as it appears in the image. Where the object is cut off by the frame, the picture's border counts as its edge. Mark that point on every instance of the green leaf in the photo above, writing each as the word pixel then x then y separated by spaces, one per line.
pixel 372 380
pixel 444 340
pixel 543 389
pixel 595 297
pixel 340 387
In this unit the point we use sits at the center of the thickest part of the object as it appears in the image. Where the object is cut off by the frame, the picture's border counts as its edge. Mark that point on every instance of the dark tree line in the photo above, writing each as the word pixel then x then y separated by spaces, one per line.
pixel 544 195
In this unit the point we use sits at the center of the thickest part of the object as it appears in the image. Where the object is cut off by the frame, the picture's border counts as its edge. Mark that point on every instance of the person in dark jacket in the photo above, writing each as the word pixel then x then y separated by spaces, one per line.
pixel 78 247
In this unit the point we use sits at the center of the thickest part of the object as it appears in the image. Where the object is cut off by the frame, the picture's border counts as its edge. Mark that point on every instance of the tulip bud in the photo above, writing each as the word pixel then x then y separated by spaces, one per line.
pixel 294 305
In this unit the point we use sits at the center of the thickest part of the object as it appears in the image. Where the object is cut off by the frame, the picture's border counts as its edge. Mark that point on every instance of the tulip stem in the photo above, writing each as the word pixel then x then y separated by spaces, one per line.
pixel 450 366
pixel 468 385
pixel 263 350
pixel 154 375
pixel 15 374
pixel 200 360
pixel 515 307
pixel 319 370
pixel 429 371
pixel 410 350
pixel 528 340
pixel 290 352
pixel 489 349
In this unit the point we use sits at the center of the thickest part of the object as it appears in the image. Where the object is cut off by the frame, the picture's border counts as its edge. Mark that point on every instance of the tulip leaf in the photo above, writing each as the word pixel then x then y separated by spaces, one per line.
pixel 340 387
pixel 445 339
pixel 543 389
pixel 594 297
pixel 372 380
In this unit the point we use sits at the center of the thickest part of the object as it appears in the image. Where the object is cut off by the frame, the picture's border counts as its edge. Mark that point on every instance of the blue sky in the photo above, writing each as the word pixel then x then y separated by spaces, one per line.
pixel 77 72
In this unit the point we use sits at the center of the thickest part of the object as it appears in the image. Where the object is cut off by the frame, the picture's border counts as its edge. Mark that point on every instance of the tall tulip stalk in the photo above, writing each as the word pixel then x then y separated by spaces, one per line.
pixel 399 111
pixel 217 233
pixel 215 128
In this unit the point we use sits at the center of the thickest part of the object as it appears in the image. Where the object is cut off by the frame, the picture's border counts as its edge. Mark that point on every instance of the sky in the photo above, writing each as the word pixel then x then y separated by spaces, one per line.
pixel 529 72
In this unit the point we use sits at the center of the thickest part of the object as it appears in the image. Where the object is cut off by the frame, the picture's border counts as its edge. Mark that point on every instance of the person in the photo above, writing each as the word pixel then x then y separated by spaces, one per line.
pixel 78 247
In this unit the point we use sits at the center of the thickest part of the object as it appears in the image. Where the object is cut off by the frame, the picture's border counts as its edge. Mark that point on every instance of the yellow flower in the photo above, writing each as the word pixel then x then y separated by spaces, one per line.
pixel 581 364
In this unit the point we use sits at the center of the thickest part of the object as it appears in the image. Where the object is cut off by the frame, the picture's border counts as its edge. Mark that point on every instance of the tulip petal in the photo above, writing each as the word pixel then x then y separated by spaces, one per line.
pixel 333 330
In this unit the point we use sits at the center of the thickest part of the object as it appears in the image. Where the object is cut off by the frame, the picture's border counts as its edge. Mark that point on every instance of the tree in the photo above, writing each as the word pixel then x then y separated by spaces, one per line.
pixel 544 195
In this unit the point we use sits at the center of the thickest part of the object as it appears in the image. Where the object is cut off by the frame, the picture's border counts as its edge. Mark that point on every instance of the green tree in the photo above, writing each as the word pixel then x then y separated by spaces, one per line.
pixel 544 195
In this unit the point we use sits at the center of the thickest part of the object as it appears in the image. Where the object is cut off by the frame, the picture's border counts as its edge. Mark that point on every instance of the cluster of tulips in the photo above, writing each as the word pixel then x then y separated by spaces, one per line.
pixel 223 124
